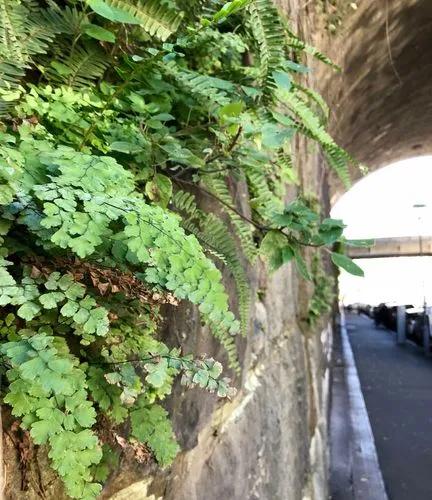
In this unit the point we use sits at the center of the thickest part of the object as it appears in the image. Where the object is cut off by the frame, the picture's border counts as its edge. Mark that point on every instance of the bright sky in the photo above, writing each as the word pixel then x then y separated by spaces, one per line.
pixel 381 205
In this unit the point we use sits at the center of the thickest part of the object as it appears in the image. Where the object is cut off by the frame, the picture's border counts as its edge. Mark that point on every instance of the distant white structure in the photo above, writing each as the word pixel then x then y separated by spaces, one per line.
pixel 383 205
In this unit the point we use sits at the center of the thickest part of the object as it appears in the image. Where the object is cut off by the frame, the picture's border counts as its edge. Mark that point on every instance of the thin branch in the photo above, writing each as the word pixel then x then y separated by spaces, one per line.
pixel 144 360
pixel 229 148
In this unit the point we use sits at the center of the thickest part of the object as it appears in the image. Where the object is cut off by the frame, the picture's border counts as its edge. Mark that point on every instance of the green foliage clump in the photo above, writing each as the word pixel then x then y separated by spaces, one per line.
pixel 114 115
pixel 323 292
pixel 48 390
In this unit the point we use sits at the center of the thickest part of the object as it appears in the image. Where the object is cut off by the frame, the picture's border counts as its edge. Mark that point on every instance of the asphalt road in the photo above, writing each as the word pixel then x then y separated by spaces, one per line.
pixel 397 386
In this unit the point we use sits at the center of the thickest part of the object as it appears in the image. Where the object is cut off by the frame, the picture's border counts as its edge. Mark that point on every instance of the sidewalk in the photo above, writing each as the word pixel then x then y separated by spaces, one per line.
pixel 354 470
pixel 396 382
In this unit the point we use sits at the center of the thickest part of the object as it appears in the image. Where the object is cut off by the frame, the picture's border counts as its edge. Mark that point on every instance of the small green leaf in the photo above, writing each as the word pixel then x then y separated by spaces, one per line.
pixel 61 68
pixel 32 368
pixel 21 403
pixel 228 9
pixel 276 249
pixel 158 373
pixel 231 110
pixel 28 311
pixel 126 147
pixel 112 13
pixel 50 300
pixel 282 79
pixel 85 414
pixel 69 309
pixel 298 68
pixel 216 370
pixel 159 189
pixel 201 378
pixel 330 230
pixel 346 263
pixel 41 430
pixel 360 243
pixel 95 31
pixel 163 117
pixel 60 365
pixel 301 266
pixel 81 316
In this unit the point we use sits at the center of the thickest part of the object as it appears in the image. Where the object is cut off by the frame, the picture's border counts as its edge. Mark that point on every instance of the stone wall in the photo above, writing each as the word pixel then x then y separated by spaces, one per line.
pixel 270 442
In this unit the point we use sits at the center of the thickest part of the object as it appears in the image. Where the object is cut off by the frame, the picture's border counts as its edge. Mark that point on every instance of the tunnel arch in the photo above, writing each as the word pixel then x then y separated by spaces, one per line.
pixel 381 101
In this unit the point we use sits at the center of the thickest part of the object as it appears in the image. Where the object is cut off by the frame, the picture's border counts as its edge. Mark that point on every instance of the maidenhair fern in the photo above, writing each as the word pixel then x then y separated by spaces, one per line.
pixel 119 119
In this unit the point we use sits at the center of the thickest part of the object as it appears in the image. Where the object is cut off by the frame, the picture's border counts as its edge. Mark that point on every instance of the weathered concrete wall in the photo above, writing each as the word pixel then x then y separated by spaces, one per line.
pixel 270 441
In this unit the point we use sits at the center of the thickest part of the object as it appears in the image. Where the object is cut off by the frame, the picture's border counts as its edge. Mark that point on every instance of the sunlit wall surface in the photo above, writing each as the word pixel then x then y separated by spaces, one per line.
pixel 392 202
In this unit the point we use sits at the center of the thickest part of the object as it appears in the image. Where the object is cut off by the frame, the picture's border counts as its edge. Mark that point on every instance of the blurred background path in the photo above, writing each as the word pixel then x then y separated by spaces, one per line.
pixel 396 382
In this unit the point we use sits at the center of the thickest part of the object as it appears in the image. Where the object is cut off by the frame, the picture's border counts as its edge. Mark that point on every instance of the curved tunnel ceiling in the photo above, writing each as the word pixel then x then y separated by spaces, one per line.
pixel 382 102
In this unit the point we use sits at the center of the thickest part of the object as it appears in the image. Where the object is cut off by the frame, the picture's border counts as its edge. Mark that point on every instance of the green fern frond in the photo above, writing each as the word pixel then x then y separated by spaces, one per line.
pixel 10 77
pixel 263 198
pixel 269 35
pixel 311 126
pixel 338 160
pixel 154 17
pixel 185 202
pixel 80 68
pixel 213 234
pixel 193 9
pixel 287 172
pixel 68 20
pixel 23 32
pixel 230 347
pixel 202 87
pixel 244 230
pixel 12 29
pixel 300 46
pixel 317 98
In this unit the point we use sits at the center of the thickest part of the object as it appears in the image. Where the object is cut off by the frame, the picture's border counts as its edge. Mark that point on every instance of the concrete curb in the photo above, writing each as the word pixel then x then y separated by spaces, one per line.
pixel 367 481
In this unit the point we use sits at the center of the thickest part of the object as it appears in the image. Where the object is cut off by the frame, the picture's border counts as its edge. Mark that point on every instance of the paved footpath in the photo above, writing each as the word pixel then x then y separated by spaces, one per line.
pixel 397 386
